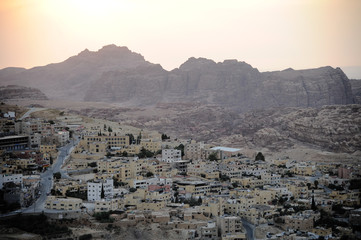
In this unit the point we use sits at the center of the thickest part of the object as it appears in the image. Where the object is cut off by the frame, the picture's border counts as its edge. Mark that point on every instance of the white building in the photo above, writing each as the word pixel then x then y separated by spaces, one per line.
pixel 144 183
pixel 63 137
pixel 171 155
pixel 95 189
pixel 15 178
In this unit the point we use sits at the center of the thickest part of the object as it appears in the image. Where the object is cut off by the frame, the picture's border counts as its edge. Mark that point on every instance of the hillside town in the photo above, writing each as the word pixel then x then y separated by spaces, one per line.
pixel 112 177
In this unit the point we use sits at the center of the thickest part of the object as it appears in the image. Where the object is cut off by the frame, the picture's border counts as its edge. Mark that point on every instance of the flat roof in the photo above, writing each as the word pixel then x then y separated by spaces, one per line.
pixel 226 149
pixel 17 136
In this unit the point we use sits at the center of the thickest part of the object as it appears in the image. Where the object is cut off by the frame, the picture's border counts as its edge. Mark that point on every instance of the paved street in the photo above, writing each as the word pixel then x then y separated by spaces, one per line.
pixel 249 228
pixel 30 111
pixel 46 181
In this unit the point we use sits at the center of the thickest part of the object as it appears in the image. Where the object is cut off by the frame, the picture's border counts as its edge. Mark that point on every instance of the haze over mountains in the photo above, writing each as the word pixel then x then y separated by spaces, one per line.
pixel 229 103
pixel 115 74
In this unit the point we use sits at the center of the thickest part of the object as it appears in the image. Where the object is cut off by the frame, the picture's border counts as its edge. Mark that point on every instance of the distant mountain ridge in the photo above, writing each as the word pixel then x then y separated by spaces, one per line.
pixel 18 92
pixel 116 74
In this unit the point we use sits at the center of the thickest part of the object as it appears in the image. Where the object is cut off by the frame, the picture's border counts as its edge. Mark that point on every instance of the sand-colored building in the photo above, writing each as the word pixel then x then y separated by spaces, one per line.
pixel 65 204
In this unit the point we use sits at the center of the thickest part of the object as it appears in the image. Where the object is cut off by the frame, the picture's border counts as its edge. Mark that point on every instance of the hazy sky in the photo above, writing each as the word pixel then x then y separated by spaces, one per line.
pixel 268 34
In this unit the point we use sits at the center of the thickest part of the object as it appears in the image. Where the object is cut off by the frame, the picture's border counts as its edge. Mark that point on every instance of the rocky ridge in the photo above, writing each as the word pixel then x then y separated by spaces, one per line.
pixel 116 74
pixel 335 128
pixel 18 92
pixel 356 89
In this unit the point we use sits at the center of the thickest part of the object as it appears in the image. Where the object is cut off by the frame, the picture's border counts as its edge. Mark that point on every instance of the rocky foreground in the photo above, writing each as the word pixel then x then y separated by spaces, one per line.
pixel 336 128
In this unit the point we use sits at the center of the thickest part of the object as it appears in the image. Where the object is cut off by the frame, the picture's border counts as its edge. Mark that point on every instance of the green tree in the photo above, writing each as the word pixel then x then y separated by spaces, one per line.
pixel 200 201
pixel 316 184
pixel 92 164
pixel 145 153
pixel 181 148
pixel 224 177
pixel 132 190
pixel 260 157
pixel 150 174
pixel 57 175
pixel 125 154
pixel 131 138
pixel 102 193
pixel 313 206
pixel 212 157
pixel 139 138
pixel 85 237
pixel 110 129
pixel 165 137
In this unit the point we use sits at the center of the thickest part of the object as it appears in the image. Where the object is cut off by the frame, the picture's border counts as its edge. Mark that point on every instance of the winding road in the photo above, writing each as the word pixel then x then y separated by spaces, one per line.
pixel 30 111
pixel 46 181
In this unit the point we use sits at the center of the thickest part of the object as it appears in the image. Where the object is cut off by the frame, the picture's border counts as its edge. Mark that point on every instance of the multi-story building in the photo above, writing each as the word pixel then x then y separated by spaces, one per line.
pixel 15 178
pixel 13 143
pixel 47 148
pixel 209 232
pixel 271 179
pixel 65 204
pixel 111 141
pixel 193 150
pixel 106 205
pixel 196 188
pixel 301 221
pixel 229 226
pixel 63 137
pixel 171 155
pixel 97 188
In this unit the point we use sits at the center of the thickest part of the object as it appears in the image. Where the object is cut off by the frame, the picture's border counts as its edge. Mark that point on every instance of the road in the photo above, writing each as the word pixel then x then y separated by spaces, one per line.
pixel 46 181
pixel 30 111
pixel 249 228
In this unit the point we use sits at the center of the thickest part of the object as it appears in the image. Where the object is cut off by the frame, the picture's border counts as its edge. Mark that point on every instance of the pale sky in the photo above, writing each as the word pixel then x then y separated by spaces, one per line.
pixel 268 34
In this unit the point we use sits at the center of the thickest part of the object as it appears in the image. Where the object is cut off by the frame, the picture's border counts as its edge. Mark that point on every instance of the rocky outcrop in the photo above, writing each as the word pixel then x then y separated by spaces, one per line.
pixel 336 128
pixel 71 79
pixel 356 90
pixel 115 74
pixel 143 85
pixel 12 92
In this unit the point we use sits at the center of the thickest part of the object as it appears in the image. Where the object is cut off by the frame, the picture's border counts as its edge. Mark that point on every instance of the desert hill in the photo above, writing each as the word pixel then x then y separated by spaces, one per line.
pixel 116 74
pixel 18 92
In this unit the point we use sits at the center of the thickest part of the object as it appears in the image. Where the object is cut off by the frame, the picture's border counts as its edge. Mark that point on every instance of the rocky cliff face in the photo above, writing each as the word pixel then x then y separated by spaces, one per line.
pixel 71 79
pixel 335 128
pixel 115 74
pixel 17 92
pixel 356 90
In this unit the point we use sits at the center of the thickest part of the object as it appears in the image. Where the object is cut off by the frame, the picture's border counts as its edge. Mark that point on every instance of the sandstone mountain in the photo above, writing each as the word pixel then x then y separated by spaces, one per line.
pixel 18 92
pixel 356 90
pixel 115 74
pixel 70 79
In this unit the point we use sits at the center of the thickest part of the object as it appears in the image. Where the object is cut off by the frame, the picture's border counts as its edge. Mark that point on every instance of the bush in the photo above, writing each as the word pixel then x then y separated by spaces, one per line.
pixel 92 164
pixel 86 237
pixel 103 217
pixel 260 156
pixel 57 175
pixel 37 224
